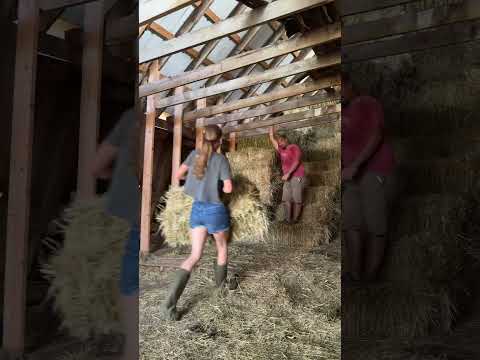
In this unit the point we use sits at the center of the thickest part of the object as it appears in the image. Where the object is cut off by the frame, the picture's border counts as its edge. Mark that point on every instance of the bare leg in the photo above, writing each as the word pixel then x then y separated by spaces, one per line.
pixel 220 267
pixel 129 306
pixel 199 237
pixel 374 257
pixel 297 211
pixel 222 247
pixel 354 245
pixel 288 211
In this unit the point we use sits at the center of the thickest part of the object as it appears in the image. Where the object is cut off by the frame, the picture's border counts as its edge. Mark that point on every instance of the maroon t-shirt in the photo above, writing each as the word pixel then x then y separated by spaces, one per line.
pixel 359 119
pixel 289 155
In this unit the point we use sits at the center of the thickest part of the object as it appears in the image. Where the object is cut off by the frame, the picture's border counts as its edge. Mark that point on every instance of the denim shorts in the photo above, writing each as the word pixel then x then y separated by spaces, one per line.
pixel 214 217
pixel 129 277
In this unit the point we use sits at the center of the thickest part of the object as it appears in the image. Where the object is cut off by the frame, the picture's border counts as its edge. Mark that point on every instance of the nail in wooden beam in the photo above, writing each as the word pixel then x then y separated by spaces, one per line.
pixel 20 178
pixel 91 96
pixel 177 137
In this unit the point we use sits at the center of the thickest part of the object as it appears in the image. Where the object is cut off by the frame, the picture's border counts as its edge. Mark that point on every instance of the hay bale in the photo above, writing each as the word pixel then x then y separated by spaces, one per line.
pixel 302 235
pixel 425 257
pixel 174 216
pixel 396 310
pixel 84 271
pixel 431 147
pixel 261 168
pixel 249 215
pixel 316 167
pixel 441 175
pixel 325 178
pixel 436 213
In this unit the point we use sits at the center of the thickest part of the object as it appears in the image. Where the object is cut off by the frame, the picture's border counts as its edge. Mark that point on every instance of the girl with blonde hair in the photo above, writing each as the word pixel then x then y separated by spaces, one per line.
pixel 207 174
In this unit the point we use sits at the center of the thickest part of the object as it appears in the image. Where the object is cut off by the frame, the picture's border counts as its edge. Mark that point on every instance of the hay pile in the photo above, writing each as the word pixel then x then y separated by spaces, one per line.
pixel 287 306
pixel 259 167
pixel 249 215
pixel 84 271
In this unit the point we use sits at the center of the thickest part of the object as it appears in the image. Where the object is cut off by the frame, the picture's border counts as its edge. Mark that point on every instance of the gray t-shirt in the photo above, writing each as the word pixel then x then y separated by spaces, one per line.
pixel 123 197
pixel 208 189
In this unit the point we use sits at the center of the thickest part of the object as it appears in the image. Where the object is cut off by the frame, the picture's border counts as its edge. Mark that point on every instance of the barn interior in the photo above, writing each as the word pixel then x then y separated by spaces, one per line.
pixel 245 66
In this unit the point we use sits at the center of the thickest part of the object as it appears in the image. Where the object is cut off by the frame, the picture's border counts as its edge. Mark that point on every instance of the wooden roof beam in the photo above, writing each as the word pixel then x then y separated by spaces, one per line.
pixel 294 90
pixel 154 10
pixel 167 35
pixel 243 59
pixel 299 102
pixel 243 21
pixel 238 83
pixel 322 120
pixel 304 115
pixel 411 21
pixel 352 7
pixel 441 36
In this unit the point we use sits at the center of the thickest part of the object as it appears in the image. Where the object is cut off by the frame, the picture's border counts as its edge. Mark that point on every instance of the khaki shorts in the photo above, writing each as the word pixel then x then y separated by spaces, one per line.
pixel 293 190
pixel 366 203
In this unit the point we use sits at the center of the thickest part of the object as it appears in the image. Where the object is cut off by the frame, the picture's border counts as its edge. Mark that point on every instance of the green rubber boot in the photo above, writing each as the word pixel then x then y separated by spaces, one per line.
pixel 220 274
pixel 169 307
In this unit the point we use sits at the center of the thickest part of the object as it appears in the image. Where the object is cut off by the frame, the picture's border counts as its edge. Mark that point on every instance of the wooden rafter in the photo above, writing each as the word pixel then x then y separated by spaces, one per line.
pixel 247 70
pixel 215 19
pixel 411 21
pixel 192 20
pixel 445 35
pixel 264 98
pixel 244 21
pixel 238 83
pixel 323 120
pixel 299 116
pixel 239 61
pixel 154 10
pixel 351 7
pixel 276 108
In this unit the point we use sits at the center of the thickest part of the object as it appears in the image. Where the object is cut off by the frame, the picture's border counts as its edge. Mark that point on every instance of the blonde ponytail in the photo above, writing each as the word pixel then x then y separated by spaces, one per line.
pixel 211 136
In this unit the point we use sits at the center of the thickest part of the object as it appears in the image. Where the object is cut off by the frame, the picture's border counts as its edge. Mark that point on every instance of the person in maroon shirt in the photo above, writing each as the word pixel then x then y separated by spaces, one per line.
pixel 293 176
pixel 368 166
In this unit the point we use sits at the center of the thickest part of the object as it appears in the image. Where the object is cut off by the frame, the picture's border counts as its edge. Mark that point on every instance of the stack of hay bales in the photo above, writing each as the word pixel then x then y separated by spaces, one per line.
pixel 260 167
pixel 423 277
pixel 84 271
pixel 249 215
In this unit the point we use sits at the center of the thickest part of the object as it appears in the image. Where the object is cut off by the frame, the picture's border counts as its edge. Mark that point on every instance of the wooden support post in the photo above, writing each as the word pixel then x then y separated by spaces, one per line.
pixel 20 178
pixel 148 153
pixel 233 142
pixel 90 98
pixel 177 137
pixel 201 104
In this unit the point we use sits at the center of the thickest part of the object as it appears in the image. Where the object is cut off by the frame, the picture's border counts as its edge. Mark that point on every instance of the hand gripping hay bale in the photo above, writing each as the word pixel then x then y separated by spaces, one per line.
pixel 84 271
pixel 249 216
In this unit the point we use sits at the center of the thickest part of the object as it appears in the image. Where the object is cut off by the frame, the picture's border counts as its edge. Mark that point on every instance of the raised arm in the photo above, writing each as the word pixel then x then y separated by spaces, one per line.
pixel 272 138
